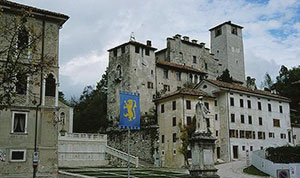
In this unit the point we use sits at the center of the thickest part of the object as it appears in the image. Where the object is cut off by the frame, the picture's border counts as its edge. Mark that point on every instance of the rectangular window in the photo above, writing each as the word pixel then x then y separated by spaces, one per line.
pixel 206 105
pixel 261 135
pixel 194 59
pixel 276 122
pixel 19 122
pixel 271 135
pixel 189 154
pixel 174 121
pixel 218 31
pixel 147 52
pixel 283 136
pixel 234 30
pixel 241 103
pixel 216 117
pixel 242 134
pixel 123 49
pixel 233 134
pixel 250 119
pixel 150 85
pixel 174 137
pixel 188 104
pixel 21 84
pixel 178 76
pixel 243 148
pixel 17 155
pixel 242 119
pixel 248 134
pixel 174 105
pixel 162 138
pixel 205 64
pixel 260 121
pixel 216 103
pixel 269 107
pixel 280 109
pixel 232 118
pixel 115 52
pixel 166 75
pixel 137 49
pixel 253 134
pixel 188 120
pixel 217 133
pixel 162 108
pixel 259 105
pixel 249 103
pixel 251 148
pixel 231 101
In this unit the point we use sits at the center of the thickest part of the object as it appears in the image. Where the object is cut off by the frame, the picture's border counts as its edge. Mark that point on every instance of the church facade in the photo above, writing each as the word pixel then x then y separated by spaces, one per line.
pixel 170 81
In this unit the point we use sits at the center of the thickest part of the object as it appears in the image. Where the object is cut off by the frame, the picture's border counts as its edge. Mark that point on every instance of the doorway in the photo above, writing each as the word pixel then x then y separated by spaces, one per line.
pixel 235 152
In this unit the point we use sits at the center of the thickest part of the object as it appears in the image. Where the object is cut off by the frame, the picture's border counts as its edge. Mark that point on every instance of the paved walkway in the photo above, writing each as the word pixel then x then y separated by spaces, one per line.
pixel 234 170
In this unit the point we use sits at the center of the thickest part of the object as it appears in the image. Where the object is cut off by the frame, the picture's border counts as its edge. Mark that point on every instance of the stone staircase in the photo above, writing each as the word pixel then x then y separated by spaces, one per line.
pixel 122 155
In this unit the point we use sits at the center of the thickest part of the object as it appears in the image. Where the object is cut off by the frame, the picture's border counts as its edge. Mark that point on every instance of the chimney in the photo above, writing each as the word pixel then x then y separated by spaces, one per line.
pixel 202 44
pixel 148 43
pixel 186 38
pixel 194 41
pixel 177 36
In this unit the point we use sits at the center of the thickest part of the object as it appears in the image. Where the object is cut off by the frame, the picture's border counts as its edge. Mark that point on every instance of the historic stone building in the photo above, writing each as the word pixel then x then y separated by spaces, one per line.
pixel 240 118
pixel 135 67
pixel 243 119
pixel 36 99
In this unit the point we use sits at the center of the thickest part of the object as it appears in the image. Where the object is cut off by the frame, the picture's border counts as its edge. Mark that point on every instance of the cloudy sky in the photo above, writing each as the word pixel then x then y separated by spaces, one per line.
pixel 271 31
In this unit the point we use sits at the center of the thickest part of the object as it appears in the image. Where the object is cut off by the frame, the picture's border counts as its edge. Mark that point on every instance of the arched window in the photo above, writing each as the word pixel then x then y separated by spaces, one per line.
pixel 50 85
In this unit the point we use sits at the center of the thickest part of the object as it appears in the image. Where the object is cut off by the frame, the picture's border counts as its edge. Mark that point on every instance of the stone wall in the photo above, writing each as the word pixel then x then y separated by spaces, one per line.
pixel 142 143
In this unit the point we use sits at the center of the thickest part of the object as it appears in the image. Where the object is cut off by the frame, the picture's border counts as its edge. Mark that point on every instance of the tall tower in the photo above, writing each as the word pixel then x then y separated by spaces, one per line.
pixel 227 46
pixel 131 68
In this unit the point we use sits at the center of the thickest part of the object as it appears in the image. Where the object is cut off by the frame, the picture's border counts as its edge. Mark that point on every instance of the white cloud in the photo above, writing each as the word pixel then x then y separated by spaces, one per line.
pixel 95 26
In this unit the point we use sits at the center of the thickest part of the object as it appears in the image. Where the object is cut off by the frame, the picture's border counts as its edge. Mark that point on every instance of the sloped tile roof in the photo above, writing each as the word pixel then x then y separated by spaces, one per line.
pixel 245 89
pixel 184 91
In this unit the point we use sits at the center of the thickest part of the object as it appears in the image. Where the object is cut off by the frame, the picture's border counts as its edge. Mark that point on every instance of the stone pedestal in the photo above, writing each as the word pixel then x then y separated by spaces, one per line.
pixel 202 147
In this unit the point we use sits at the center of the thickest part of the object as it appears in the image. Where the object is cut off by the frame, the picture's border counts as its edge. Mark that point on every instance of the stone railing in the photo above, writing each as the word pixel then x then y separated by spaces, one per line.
pixel 122 155
pixel 268 167
pixel 83 137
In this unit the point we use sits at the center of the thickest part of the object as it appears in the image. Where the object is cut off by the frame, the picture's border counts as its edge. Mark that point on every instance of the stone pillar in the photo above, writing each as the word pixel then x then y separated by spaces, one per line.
pixel 202 146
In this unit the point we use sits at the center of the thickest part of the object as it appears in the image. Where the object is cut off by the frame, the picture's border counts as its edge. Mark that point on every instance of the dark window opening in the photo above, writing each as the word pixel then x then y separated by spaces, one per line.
pixel 50 85
pixel 17 155
pixel 249 103
pixel 188 120
pixel 218 32
pixel 231 101
pixel 21 84
pixel 250 119
pixel 19 122
pixel 23 38
pixel 232 118
pixel 115 52
pixel 174 105
pixel 234 30
pixel 174 122
pixel 174 137
pixel 242 119
pixel 206 105
pixel 260 121
pixel 269 107
pixel 241 103
pixel 162 108
pixel 194 59
pixel 137 49
pixel 147 52
pixel 259 105
pixel 188 104
pixel 162 138
pixel 123 49
pixel 166 76
pixel 280 109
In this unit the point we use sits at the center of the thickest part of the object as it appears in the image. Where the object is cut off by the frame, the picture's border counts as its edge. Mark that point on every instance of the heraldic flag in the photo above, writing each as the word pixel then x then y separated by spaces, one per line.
pixel 129 111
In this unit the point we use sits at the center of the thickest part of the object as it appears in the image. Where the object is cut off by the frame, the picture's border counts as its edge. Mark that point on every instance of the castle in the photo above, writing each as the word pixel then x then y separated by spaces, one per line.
pixel 240 117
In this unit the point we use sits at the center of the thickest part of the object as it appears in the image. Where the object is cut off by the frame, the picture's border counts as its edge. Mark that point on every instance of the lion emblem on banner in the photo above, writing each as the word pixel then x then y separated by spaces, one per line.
pixel 130 106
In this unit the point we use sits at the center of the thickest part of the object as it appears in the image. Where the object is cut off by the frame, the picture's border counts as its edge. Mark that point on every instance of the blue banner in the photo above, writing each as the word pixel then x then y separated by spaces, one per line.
pixel 129 111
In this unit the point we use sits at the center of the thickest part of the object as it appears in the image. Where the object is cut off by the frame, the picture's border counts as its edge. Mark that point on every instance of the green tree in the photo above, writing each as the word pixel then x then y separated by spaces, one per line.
pixel 225 77
pixel 186 132
pixel 267 84
pixel 287 85
pixel 91 109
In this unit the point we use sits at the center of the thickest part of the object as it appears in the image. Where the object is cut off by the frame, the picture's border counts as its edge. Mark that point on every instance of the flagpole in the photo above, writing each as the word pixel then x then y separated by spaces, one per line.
pixel 128 148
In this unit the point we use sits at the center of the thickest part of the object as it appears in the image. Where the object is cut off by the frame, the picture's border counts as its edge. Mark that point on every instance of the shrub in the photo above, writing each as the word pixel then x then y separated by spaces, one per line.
pixel 284 154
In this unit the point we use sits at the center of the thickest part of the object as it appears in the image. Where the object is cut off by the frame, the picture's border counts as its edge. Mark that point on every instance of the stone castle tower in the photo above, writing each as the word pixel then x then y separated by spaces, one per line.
pixel 136 67
pixel 131 69
pixel 227 46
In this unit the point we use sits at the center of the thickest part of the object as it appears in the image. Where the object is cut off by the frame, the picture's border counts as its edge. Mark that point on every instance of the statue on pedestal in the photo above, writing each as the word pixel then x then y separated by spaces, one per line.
pixel 201 117
pixel 202 146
